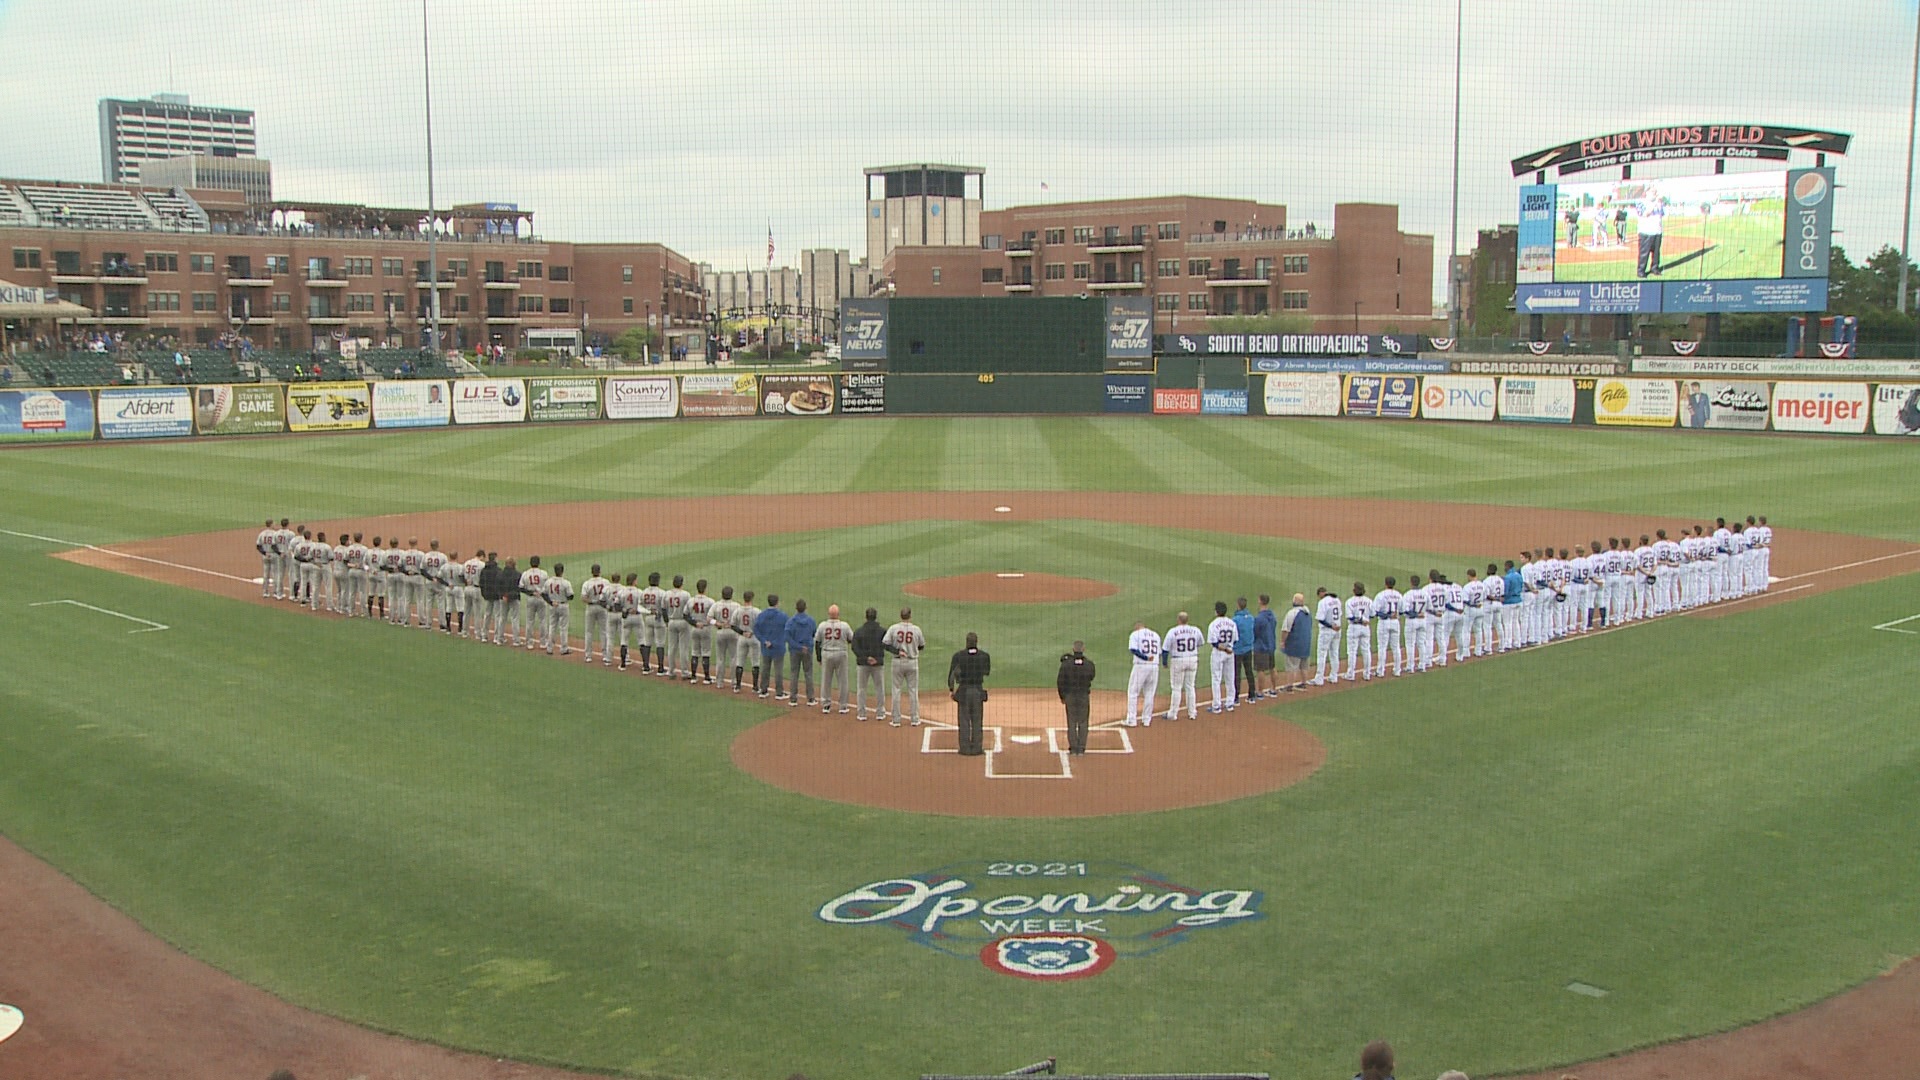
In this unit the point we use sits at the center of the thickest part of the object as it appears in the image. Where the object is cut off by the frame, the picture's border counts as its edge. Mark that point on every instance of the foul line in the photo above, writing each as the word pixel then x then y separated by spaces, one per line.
pixel 1893 627
pixel 126 555
pixel 150 625
pixel 1851 565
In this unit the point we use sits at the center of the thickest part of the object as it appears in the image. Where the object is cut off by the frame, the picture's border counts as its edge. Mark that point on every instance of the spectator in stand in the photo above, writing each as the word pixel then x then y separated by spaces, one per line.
pixel 1376 1061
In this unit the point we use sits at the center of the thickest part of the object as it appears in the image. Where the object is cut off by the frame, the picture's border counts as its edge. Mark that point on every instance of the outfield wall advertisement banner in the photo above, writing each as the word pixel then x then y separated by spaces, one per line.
pixel 1635 402
pixel 646 397
pixel 1176 401
pixel 1223 402
pixel 1458 397
pixel 1760 367
pixel 1392 365
pixel 146 412
pixel 1896 409
pixel 1735 406
pixel 1831 408
pixel 50 415
pixel 1129 333
pixel 1590 297
pixel 796 395
pixel 1536 367
pixel 1302 395
pixel 489 401
pixel 1395 397
pixel 1288 344
pixel 1809 294
pixel 863 335
pixel 563 399
pixel 341 406
pixel 1535 241
pixel 411 403
pixel 1127 394
pixel 1529 400
pixel 719 395
pixel 863 395
pixel 246 409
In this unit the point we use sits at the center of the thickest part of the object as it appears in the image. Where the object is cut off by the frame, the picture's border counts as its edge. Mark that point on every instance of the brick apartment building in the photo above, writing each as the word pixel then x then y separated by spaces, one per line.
pixel 295 275
pixel 1198 257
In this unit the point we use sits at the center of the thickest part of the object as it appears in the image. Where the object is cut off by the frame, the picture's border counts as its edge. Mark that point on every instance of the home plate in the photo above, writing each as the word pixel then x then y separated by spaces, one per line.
pixel 10 1021
pixel 1023 740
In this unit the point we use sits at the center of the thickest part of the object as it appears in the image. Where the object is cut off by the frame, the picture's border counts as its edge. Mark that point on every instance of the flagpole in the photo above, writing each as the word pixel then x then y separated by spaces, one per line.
pixel 769 291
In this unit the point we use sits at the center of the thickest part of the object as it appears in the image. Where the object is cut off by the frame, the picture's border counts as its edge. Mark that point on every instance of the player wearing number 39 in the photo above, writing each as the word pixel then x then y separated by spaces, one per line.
pixel 1144 683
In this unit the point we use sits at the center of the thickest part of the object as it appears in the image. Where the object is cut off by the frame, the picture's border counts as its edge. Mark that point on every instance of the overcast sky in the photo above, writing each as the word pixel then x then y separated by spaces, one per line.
pixel 698 124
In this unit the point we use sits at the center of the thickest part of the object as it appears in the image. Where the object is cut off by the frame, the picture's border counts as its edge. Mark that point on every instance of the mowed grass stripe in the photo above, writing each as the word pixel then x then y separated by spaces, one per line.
pixel 902 455
pixel 1089 455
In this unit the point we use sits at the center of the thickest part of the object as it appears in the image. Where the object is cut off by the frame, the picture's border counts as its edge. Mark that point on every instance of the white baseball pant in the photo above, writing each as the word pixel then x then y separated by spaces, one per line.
pixel 1142 686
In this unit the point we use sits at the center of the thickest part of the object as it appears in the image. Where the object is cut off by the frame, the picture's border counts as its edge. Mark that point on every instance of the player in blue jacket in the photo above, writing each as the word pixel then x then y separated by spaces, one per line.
pixel 800 628
pixel 1243 652
pixel 770 630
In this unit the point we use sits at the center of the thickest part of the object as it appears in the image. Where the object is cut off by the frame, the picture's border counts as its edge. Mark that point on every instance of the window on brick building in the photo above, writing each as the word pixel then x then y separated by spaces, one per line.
pixel 1056 272
pixel 1199 268
pixel 1168 268
pixel 1293 264
pixel 1083 234
pixel 1082 271
pixel 1169 230
pixel 1167 302
pixel 1294 300
pixel 29 259
pixel 1056 236
pixel 1196 301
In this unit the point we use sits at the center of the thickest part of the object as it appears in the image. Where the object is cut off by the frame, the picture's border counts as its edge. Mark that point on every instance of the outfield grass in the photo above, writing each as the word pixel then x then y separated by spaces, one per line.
pixel 1709 818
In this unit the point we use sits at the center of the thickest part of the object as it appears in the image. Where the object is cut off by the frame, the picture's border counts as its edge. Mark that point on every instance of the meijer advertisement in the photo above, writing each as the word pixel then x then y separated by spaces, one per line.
pixel 1635 402
pixel 489 401
pixel 1834 408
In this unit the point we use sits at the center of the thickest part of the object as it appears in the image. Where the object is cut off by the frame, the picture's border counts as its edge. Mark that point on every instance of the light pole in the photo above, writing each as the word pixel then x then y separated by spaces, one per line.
pixel 1906 214
pixel 1453 241
pixel 433 231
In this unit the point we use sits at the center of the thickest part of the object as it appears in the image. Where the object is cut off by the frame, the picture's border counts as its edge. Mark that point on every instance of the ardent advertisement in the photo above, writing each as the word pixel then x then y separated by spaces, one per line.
pixel 1395 397
pixel 1529 400
pixel 1302 395
pixel 1896 409
pixel 644 397
pixel 409 403
pixel 863 395
pixel 1832 408
pixel 1458 397
pixel 1737 406
pixel 1635 402
pixel 574 398
pixel 1128 394
pixel 341 406
pixel 489 401
pixel 50 415
pixel 719 395
pixel 1176 401
pixel 146 412
pixel 796 395
pixel 1223 402
pixel 239 410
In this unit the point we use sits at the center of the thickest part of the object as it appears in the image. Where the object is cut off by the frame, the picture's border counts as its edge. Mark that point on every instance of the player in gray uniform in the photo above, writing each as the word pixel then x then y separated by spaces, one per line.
pixel 339 602
pixel 903 642
pixel 269 565
pixel 593 598
pixel 376 561
pixel 467 585
pixel 679 629
pixel 393 561
pixel 534 629
pixel 433 578
pixel 284 582
pixel 558 594
pixel 832 642
pixel 319 572
pixel 413 564
pixel 700 633
pixel 356 585
pixel 653 626
pixel 743 617
pixel 726 641
pixel 632 620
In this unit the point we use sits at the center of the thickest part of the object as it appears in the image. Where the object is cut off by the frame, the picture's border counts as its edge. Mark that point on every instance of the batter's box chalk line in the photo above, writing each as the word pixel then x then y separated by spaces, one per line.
pixel 1894 627
pixel 1057 737
pixel 147 626
pixel 1065 773
pixel 931 729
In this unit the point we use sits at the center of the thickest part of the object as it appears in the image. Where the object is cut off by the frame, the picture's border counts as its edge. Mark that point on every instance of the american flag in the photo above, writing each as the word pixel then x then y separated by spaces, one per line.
pixel 769 243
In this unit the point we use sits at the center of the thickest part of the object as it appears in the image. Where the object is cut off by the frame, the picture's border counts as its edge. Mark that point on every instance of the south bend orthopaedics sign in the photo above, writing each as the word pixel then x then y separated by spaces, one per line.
pixel 1042 920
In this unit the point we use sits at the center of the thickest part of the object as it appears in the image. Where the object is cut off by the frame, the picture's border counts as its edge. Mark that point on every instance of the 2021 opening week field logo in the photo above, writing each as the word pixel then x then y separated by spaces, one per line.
pixel 1042 920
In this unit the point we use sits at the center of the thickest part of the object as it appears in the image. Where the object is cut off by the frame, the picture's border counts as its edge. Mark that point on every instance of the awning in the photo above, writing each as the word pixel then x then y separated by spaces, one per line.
pixel 28 302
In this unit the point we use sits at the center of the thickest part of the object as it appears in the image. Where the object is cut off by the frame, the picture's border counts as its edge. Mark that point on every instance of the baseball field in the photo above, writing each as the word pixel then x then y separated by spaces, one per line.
pixel 1687 826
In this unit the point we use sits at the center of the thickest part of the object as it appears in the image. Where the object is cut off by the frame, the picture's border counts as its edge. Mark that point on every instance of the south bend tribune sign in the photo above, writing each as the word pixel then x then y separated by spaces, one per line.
pixel 1046 921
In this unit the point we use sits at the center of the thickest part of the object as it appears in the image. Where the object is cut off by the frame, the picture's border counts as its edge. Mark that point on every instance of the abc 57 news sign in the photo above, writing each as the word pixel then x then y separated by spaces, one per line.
pixel 1458 397
pixel 1129 333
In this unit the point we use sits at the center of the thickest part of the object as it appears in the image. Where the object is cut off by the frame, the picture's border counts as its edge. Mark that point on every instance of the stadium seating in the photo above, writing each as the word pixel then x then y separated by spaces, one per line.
pixel 71 369
pixel 109 208
pixel 298 367
pixel 426 365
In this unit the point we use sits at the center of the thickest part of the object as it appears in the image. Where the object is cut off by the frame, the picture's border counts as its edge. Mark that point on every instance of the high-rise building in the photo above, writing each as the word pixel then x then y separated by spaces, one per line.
pixel 166 126
pixel 922 206
pixel 251 176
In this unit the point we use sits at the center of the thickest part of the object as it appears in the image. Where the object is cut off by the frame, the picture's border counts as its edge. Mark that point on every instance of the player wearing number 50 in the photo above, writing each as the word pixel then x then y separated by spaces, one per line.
pixel 1144 683
pixel 966 678
pixel 1180 651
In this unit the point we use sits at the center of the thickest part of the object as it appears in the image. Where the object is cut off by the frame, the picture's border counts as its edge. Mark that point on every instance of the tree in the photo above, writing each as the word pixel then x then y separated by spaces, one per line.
pixel 1267 323
pixel 632 343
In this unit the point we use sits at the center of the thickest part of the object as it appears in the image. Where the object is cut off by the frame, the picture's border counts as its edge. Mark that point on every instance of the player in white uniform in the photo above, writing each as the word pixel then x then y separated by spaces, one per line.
pixel 653 626
pixel 1388 604
pixel 726 643
pixel 338 604
pixel 433 578
pixel 1326 616
pixel 1452 607
pixel 301 548
pixel 1419 640
pixel 533 604
pixel 1645 562
pixel 285 584
pixel 411 585
pixel 700 630
pixel 1474 619
pixel 593 600
pixel 1222 635
pixel 1436 619
pixel 1720 585
pixel 1533 603
pixel 467 586
pixel 1144 683
pixel 680 632
pixel 1180 650
pixel 1359 620
pixel 1508 613
pixel 269 563
pixel 557 591
pixel 1763 540
pixel 320 564
pixel 903 642
pixel 1495 595
pixel 626 613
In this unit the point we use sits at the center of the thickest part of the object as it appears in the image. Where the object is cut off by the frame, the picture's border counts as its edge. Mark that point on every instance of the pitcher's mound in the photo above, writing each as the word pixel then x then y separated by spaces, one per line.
pixel 1196 762
pixel 1010 587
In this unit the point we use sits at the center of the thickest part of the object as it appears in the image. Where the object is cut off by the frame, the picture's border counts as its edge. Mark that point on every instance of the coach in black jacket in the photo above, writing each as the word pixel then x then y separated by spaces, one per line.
pixel 869 660
pixel 1076 693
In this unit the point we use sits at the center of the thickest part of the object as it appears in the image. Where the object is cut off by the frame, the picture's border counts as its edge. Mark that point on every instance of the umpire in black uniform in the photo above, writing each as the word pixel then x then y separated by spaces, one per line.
pixel 1076 690
pixel 966 677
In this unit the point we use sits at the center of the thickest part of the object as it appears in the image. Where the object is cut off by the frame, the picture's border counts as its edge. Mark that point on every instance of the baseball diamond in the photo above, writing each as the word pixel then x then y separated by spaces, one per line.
pixel 540 860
